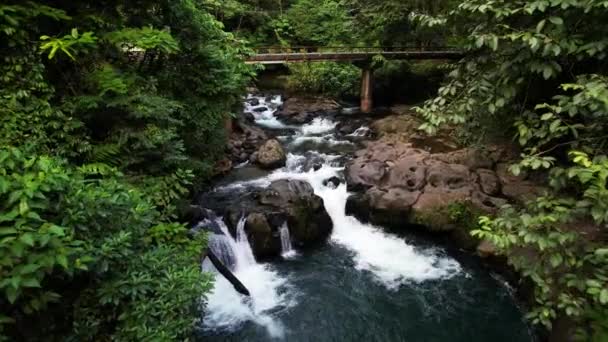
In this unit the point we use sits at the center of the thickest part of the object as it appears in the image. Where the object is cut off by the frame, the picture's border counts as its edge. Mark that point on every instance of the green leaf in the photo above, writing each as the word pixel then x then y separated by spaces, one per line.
pixel 7 231
pixel 12 294
pixel 540 26
pixel 30 282
pixel 604 297
pixel 556 260
pixel 28 239
pixel 546 116
pixel 62 260
pixel 23 207
pixel 556 20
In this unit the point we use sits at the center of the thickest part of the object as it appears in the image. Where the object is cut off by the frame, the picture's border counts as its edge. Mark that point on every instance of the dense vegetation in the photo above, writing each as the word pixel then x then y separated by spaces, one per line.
pixel 542 66
pixel 109 110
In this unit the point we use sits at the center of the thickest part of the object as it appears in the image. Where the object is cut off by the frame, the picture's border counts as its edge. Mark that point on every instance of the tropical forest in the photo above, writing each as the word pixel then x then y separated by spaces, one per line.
pixel 304 170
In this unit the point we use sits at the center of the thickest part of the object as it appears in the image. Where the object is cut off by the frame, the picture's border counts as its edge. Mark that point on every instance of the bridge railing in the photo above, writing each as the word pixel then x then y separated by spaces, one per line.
pixel 345 49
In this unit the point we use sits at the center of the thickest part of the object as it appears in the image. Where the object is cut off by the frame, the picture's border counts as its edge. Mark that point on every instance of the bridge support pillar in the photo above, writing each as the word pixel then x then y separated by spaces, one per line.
pixel 366 89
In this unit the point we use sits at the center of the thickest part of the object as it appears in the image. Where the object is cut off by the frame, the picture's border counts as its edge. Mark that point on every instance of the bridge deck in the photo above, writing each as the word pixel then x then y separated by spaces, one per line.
pixel 294 57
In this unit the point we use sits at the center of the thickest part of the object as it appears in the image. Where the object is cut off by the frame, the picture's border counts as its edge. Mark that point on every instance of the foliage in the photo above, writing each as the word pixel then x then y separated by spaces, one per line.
pixel 329 78
pixel 540 65
pixel 399 22
pixel 60 225
pixel 108 114
pixel 320 22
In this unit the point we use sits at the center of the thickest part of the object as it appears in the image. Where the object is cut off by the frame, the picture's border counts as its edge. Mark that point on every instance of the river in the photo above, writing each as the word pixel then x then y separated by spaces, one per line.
pixel 365 283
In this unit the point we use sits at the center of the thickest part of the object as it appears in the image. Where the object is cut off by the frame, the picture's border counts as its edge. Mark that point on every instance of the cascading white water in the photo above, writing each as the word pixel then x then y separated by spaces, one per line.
pixel 227 309
pixel 287 250
pixel 318 126
pixel 263 111
pixel 389 258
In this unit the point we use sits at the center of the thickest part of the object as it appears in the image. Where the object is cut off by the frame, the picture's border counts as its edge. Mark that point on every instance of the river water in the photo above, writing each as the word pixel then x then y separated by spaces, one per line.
pixel 365 284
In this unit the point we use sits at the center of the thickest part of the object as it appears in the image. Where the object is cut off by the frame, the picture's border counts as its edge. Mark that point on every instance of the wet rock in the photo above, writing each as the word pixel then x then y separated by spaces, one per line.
pixel 249 117
pixel 399 183
pixel 332 182
pixel 193 214
pixel 489 182
pixel 254 101
pixel 303 211
pixel 260 109
pixel 271 155
pixel 260 234
pixel 300 110
pixel 363 174
pixel 244 140
pixel 266 210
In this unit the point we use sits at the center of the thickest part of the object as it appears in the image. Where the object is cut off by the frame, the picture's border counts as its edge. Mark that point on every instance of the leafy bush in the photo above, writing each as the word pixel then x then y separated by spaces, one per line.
pixel 327 78
pixel 98 232
pixel 106 119
pixel 541 65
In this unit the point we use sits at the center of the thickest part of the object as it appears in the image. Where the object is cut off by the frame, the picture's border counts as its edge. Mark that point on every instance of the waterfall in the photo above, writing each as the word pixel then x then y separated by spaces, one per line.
pixel 227 309
pixel 286 248
pixel 244 251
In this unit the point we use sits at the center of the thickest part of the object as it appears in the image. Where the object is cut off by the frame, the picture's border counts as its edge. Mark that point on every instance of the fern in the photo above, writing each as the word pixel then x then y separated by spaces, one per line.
pixel 109 154
pixel 98 169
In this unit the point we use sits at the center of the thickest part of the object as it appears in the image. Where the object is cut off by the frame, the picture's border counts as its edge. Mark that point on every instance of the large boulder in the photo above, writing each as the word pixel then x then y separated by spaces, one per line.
pixel 300 110
pixel 261 236
pixel 397 182
pixel 265 211
pixel 303 211
pixel 396 124
pixel 271 155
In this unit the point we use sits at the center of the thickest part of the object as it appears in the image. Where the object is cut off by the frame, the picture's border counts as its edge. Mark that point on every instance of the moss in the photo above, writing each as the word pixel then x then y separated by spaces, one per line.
pixel 457 219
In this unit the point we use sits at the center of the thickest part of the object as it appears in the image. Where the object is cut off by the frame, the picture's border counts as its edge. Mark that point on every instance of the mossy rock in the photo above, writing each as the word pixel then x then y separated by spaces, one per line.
pixel 457 218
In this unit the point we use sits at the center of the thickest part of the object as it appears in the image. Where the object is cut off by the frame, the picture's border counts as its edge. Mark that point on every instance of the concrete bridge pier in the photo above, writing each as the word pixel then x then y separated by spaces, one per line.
pixel 367 89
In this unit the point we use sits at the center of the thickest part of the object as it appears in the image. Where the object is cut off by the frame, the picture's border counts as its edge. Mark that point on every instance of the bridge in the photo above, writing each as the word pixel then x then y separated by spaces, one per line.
pixel 361 56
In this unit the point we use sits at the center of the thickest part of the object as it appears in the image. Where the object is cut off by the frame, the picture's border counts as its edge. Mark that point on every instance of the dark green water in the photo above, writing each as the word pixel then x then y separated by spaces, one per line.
pixel 336 302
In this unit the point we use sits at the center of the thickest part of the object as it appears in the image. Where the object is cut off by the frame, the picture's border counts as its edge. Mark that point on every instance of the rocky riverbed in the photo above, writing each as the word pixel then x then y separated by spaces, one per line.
pixel 343 193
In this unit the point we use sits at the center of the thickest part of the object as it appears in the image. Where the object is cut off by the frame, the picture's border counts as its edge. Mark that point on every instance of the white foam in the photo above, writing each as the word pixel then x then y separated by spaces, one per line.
pixel 318 126
pixel 226 308
pixel 266 117
pixel 328 139
pixel 287 251
pixel 388 257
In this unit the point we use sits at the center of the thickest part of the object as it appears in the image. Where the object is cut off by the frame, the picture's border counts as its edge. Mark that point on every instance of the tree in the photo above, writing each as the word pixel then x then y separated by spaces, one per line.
pixel 109 111
pixel 541 66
